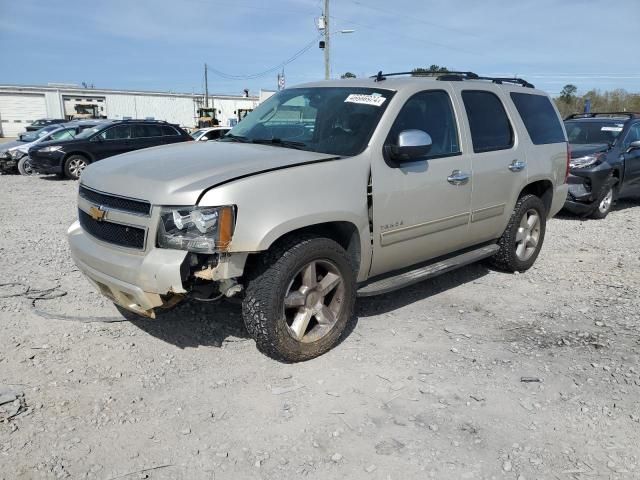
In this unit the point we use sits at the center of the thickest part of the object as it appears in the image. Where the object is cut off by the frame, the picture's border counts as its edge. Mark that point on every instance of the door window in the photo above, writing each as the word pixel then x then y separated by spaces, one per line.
pixel 431 112
pixel 633 135
pixel 488 121
pixel 146 131
pixel 120 132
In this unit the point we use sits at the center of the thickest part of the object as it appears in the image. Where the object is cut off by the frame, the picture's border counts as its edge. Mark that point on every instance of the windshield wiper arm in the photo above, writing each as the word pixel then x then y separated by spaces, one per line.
pixel 279 141
pixel 236 138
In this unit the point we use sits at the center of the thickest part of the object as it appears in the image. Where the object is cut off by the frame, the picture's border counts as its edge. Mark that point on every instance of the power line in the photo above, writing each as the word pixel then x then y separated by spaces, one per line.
pixel 275 68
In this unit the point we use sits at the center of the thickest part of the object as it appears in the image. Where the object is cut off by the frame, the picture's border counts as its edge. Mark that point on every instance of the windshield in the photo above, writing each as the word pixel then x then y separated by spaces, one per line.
pixel 196 134
pixel 333 120
pixel 586 132
pixel 86 133
pixel 33 136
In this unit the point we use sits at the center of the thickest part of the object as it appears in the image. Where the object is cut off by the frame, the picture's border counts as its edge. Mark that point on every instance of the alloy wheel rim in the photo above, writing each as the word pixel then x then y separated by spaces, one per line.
pixel 528 235
pixel 314 301
pixel 76 167
pixel 27 168
pixel 605 204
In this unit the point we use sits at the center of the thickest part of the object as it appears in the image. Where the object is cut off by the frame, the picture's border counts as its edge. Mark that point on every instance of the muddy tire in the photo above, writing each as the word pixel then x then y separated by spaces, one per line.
pixel 522 240
pixel 74 166
pixel 606 198
pixel 24 166
pixel 299 298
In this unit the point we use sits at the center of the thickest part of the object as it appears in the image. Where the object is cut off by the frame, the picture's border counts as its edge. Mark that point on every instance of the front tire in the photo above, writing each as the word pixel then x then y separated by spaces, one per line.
pixel 606 199
pixel 300 298
pixel 522 240
pixel 24 167
pixel 74 166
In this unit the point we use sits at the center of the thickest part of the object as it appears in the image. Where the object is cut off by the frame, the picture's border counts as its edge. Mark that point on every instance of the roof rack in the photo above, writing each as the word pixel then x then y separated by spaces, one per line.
pixel 603 114
pixel 454 77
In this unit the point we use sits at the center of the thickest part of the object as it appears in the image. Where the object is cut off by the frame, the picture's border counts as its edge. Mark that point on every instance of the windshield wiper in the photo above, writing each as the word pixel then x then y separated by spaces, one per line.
pixel 280 142
pixel 236 138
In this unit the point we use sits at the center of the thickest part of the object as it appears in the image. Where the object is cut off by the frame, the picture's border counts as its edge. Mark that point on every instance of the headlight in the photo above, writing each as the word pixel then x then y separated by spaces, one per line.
pixel 53 148
pixel 196 229
pixel 16 154
pixel 586 161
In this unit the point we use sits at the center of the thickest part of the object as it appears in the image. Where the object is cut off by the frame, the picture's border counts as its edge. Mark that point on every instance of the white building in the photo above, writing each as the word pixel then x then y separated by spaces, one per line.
pixel 20 105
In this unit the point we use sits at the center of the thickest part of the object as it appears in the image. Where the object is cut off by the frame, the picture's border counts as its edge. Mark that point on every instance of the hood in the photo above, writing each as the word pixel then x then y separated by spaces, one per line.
pixel 6 146
pixel 177 174
pixel 581 150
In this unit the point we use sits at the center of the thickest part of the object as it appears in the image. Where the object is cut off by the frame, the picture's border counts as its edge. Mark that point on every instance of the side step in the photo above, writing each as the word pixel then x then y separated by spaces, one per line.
pixel 390 283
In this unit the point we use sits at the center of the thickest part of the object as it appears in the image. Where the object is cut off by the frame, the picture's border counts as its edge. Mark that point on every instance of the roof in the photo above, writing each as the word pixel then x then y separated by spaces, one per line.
pixel 399 83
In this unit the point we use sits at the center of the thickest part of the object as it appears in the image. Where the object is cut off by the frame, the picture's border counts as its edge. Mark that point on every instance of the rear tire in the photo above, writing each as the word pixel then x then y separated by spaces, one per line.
pixel 606 199
pixel 24 167
pixel 299 300
pixel 522 240
pixel 74 166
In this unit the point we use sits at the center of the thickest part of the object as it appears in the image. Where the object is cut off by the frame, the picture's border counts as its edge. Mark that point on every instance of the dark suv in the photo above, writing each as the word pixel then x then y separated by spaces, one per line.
pixel 605 161
pixel 111 137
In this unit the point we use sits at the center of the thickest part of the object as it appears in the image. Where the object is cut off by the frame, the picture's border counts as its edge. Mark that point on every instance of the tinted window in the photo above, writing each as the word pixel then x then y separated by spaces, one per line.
pixel 120 132
pixel 490 127
pixel 154 131
pixel 633 135
pixel 168 131
pixel 539 118
pixel 431 112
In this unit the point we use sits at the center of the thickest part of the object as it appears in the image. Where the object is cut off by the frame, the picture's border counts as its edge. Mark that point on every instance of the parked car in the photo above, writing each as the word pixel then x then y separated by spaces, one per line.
pixel 605 161
pixel 399 180
pixel 16 157
pixel 212 133
pixel 44 122
pixel 109 137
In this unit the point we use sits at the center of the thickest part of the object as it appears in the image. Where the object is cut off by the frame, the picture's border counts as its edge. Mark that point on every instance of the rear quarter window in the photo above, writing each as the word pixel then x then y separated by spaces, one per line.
pixel 539 117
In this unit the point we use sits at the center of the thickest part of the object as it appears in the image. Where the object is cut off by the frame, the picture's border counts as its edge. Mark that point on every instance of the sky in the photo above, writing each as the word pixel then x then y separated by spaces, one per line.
pixel 163 44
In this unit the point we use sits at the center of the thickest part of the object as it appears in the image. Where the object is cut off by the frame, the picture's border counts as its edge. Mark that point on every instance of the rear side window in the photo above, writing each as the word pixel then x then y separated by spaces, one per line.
pixel 168 131
pixel 539 118
pixel 489 124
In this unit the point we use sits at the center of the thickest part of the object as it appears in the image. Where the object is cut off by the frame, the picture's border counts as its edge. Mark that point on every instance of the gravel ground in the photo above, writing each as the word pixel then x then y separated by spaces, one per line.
pixel 432 383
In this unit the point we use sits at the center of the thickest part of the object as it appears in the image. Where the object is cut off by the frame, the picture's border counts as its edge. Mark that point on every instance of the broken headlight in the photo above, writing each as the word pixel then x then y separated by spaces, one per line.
pixel 586 161
pixel 196 229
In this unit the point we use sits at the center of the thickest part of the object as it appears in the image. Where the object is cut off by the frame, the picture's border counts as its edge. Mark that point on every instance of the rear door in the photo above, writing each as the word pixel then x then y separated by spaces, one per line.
pixel 112 141
pixel 498 165
pixel 419 211
pixel 631 161
pixel 145 135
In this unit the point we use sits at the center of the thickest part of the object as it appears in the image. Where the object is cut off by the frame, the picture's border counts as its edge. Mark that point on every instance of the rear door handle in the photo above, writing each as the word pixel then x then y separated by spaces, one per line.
pixel 458 177
pixel 517 165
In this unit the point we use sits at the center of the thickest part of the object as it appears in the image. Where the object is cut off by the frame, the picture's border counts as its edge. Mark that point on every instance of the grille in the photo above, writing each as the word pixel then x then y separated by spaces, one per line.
pixel 115 233
pixel 118 203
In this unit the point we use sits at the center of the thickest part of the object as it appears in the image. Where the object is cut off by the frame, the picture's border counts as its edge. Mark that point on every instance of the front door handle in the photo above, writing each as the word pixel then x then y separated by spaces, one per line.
pixel 517 165
pixel 458 177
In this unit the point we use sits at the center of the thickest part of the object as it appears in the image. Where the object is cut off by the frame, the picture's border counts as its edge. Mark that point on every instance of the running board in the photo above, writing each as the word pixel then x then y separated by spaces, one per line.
pixel 389 284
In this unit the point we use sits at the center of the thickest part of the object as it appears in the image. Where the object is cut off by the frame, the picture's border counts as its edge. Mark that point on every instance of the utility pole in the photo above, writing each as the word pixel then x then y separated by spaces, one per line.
pixel 206 88
pixel 327 55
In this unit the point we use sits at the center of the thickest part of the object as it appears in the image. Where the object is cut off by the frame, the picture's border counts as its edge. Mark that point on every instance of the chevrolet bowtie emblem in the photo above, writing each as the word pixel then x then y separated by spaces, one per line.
pixel 98 213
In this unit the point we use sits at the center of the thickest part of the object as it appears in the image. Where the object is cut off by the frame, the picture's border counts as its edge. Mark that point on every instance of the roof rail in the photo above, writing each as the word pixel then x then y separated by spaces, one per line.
pixel 603 114
pixel 454 76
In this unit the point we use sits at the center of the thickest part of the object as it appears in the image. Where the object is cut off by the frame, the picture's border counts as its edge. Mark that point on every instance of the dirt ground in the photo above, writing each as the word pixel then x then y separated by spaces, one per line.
pixel 475 375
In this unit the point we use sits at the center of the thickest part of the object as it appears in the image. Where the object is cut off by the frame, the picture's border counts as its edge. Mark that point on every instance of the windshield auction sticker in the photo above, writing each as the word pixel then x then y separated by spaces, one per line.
pixel 376 100
pixel 611 129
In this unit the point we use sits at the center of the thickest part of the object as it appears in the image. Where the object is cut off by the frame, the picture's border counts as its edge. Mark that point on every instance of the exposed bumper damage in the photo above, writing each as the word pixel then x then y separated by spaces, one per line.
pixel 160 278
pixel 584 187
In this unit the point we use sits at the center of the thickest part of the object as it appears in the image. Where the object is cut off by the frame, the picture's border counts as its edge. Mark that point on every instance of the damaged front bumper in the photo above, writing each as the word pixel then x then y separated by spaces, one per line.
pixel 144 281
pixel 584 187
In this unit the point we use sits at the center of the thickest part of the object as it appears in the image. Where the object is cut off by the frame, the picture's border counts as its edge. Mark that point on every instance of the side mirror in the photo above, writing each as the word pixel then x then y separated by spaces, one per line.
pixel 204 138
pixel 96 138
pixel 633 146
pixel 411 145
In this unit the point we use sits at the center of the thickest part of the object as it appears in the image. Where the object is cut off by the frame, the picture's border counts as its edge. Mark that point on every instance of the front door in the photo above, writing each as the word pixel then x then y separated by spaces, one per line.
pixel 421 208
pixel 631 181
pixel 113 141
